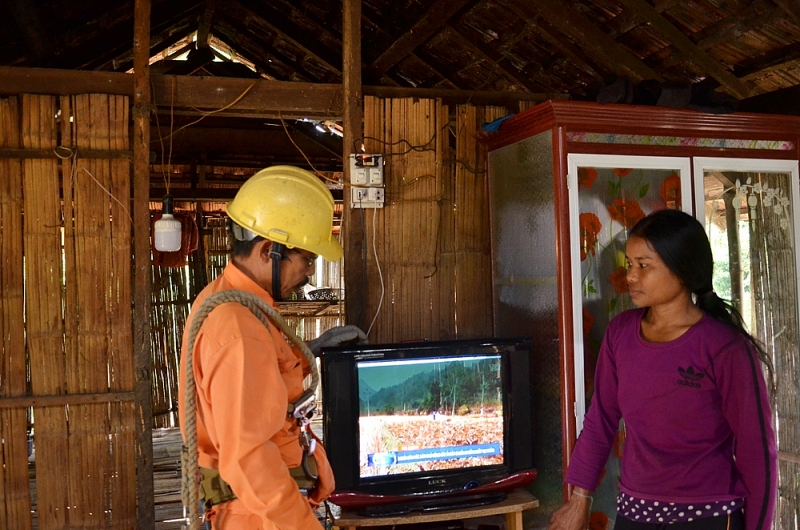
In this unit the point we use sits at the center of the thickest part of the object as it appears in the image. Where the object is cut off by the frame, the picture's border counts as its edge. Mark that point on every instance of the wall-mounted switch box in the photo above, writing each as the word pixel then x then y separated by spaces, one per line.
pixel 366 197
pixel 366 170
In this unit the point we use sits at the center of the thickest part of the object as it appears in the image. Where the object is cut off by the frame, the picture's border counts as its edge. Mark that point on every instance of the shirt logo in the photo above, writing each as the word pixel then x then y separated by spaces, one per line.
pixel 689 377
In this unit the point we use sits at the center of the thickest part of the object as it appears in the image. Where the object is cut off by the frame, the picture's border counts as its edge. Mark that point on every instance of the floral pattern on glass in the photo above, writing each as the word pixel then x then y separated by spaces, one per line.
pixel 611 200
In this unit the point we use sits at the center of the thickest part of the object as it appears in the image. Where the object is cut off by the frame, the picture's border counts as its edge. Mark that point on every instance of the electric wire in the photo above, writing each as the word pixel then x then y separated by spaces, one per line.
pixel 73 155
pixel 317 172
pixel 378 265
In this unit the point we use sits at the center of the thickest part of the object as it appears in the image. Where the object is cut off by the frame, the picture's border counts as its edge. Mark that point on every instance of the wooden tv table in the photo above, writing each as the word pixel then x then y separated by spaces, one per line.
pixel 513 506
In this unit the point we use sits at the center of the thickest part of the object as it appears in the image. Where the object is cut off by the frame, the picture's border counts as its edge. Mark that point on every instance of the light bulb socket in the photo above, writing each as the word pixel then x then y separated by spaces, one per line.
pixel 166 205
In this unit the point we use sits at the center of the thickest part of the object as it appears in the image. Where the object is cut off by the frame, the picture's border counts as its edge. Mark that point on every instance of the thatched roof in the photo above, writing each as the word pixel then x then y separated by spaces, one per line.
pixel 738 48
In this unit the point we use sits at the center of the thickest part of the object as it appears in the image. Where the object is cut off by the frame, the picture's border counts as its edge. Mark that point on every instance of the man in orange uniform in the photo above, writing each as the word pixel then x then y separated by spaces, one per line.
pixel 245 373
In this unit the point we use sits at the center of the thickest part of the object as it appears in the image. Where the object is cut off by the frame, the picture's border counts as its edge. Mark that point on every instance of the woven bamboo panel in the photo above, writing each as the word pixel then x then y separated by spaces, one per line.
pixel 472 249
pixel 432 235
pixel 16 503
pixel 42 228
pixel 103 493
pixel 406 229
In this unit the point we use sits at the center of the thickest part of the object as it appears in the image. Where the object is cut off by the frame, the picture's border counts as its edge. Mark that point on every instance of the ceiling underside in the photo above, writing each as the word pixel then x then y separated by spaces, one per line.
pixel 740 47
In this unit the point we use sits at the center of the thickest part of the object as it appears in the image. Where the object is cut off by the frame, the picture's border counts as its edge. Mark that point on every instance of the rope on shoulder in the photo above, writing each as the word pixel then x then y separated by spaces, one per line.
pixel 266 314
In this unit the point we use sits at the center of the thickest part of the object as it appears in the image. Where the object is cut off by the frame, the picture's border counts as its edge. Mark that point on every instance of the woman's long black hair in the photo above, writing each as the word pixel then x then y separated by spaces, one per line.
pixel 681 242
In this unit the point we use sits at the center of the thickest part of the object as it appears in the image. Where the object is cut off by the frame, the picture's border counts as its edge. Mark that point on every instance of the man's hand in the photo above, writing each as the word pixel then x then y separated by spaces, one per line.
pixel 336 337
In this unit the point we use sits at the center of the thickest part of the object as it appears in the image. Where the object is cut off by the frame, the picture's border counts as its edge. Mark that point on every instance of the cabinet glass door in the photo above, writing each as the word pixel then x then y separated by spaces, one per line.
pixel 748 209
pixel 609 194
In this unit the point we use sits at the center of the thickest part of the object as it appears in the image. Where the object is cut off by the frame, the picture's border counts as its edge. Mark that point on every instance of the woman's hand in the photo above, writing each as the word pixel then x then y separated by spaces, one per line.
pixel 574 515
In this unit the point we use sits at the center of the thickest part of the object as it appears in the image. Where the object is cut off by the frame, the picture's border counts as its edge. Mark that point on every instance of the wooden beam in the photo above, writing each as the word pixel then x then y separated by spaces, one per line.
pixel 700 58
pixel 158 43
pixel 547 32
pixel 353 125
pixel 61 400
pixel 277 21
pixel 476 97
pixel 248 95
pixel 265 98
pixel 791 7
pixel 502 62
pixel 767 61
pixel 204 25
pixel 723 31
pixel 51 153
pixel 145 508
pixel 433 19
pixel 29 23
pixel 108 36
pixel 591 39
pixel 201 194
pixel 443 75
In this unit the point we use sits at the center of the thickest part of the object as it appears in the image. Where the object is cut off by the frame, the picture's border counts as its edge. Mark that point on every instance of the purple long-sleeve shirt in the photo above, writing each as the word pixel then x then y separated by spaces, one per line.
pixel 697 419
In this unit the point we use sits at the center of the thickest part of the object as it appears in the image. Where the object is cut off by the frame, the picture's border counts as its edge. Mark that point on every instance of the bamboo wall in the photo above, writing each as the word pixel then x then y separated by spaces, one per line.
pixel 72 258
pixel 432 236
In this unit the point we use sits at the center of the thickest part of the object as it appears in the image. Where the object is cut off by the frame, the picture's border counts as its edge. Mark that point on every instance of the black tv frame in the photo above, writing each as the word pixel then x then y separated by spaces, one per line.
pixel 341 415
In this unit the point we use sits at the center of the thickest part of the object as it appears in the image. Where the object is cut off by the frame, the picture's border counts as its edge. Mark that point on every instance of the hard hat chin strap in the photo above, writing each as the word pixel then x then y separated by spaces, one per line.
pixel 276 254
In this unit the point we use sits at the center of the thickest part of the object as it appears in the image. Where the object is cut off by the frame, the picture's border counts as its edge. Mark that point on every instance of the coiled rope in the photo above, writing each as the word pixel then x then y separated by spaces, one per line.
pixel 266 314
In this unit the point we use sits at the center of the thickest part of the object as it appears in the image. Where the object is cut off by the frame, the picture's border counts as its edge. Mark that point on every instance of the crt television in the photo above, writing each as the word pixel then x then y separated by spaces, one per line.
pixel 427 419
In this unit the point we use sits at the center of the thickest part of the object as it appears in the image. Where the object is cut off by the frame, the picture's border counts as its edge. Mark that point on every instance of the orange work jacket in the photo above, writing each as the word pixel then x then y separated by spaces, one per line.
pixel 246 374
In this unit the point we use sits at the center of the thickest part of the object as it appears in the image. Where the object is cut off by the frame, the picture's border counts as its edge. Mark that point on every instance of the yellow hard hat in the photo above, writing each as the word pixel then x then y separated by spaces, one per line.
pixel 288 205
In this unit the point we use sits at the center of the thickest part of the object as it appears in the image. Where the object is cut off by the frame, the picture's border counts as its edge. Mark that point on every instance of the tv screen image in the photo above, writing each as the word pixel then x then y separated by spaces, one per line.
pixel 418 415
pixel 427 419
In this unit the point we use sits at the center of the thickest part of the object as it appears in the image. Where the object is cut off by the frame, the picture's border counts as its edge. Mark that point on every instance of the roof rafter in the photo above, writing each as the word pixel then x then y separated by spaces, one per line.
pixel 30 25
pixel 267 67
pixel 696 55
pixel 493 57
pixel 108 36
pixel 205 22
pixel 433 19
pixel 158 43
pixel 293 34
pixel 590 38
pixel 551 35
pixel 791 7
pixel 724 30
pixel 768 61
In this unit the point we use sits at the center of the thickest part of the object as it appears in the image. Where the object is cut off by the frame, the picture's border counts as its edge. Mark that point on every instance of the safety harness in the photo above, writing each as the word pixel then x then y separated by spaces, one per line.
pixel 215 490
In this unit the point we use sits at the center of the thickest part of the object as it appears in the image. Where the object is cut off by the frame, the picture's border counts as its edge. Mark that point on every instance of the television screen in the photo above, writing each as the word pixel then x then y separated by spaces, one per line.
pixel 429 414
pixel 428 418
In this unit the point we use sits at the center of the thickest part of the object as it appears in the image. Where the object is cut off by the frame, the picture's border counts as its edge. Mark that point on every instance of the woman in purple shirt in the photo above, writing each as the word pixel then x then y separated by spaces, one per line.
pixel 686 379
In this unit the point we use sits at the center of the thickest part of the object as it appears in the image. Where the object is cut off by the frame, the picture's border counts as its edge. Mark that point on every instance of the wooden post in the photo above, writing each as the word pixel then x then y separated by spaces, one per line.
pixel 145 511
pixel 352 231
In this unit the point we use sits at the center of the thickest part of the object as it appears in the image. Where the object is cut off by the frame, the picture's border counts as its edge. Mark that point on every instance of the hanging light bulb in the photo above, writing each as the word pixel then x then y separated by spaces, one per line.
pixel 167 229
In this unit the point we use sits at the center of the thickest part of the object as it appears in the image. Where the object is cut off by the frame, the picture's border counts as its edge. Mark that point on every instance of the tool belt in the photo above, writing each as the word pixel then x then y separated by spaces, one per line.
pixel 214 490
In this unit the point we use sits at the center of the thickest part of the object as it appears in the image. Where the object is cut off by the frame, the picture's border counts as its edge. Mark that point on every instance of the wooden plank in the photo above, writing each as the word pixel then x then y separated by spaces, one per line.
pixel 547 32
pixel 266 97
pixel 43 325
pixel 279 22
pixel 123 421
pixel 495 58
pixel 57 400
pixel 143 413
pixel 61 153
pixel 707 64
pixel 473 283
pixel 29 23
pixel 15 507
pixel 591 39
pixel 433 19
pixel 451 97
